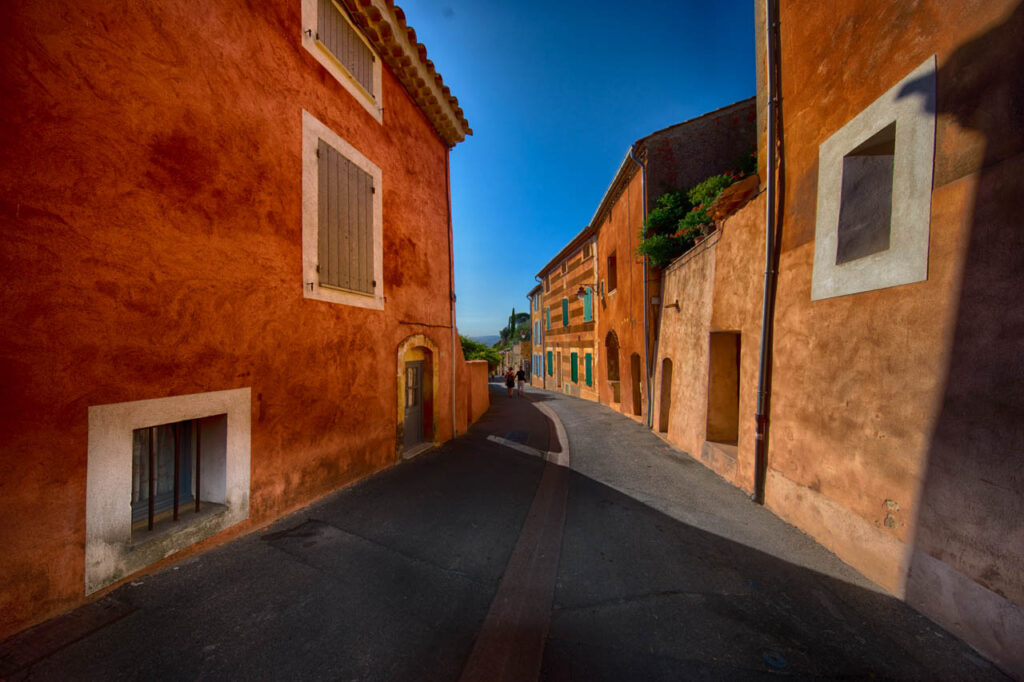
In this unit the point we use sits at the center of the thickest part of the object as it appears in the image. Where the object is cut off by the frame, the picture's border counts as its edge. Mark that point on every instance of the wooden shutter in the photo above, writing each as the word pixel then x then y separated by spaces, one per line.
pixel 565 312
pixel 547 311
pixel 588 313
pixel 345 227
pixel 336 34
pixel 551 370
pixel 574 367
pixel 587 368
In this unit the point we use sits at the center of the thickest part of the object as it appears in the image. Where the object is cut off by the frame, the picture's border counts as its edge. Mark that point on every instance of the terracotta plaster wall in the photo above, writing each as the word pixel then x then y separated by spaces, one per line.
pixel 621 311
pixel 150 202
pixel 895 436
pixel 477 395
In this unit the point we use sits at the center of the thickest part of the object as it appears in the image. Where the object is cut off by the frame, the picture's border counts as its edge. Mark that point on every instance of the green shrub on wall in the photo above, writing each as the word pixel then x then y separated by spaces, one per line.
pixel 678 219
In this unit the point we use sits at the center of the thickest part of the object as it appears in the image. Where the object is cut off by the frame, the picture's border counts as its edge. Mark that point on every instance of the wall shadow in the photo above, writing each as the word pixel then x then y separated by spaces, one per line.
pixel 972 498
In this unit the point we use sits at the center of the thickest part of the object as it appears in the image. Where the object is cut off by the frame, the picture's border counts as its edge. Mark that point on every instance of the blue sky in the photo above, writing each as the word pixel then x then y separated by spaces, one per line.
pixel 555 93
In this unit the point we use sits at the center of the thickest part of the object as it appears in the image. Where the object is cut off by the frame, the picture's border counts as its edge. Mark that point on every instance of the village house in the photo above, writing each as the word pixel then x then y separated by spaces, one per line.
pixel 569 320
pixel 627 289
pixel 880 412
pixel 536 299
pixel 227 282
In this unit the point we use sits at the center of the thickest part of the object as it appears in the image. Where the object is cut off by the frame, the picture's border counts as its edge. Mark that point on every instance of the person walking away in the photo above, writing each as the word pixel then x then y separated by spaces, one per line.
pixel 510 381
pixel 520 380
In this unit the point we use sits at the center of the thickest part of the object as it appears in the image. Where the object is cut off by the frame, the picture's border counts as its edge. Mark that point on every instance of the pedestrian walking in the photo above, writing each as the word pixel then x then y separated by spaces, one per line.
pixel 510 381
pixel 520 380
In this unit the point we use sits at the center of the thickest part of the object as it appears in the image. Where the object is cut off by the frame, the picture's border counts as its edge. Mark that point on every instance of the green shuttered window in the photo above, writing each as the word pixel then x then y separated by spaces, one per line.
pixel 587 368
pixel 547 312
pixel 336 34
pixel 588 312
pixel 345 235
pixel 574 367
pixel 551 368
pixel 565 312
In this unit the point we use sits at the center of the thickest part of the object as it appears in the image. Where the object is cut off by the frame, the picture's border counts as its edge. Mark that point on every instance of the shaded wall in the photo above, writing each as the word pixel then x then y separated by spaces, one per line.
pixel 895 435
pixel 478 397
pixel 150 206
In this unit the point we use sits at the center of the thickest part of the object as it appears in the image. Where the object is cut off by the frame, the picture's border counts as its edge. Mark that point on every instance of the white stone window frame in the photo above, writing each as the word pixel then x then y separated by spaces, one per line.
pixel 313 131
pixel 110 553
pixel 372 102
pixel 911 105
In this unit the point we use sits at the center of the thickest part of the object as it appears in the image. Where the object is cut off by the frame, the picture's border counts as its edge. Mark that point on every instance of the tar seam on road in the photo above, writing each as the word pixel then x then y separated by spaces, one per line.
pixel 510 645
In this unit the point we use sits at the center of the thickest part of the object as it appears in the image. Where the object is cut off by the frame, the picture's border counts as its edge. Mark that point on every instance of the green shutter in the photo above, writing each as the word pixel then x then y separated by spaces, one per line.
pixel 548 312
pixel 588 313
pixel 587 369
pixel 565 312
pixel 551 370
pixel 574 367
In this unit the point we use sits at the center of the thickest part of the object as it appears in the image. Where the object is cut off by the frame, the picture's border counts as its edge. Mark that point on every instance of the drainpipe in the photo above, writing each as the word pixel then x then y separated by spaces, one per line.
pixel 451 278
pixel 647 333
pixel 771 22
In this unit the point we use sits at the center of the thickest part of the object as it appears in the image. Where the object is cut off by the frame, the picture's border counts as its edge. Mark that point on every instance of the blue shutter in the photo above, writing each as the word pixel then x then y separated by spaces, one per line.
pixel 547 311
pixel 588 313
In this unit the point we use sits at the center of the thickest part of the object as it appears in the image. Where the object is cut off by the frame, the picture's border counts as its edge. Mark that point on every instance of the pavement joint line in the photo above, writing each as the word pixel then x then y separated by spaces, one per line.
pixel 518 446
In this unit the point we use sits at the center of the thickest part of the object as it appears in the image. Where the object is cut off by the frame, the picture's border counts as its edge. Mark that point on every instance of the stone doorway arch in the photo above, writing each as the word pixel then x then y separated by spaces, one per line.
pixel 418 406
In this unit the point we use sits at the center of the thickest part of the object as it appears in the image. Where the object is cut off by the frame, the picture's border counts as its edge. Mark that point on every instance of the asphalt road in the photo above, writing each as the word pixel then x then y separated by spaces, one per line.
pixel 485 560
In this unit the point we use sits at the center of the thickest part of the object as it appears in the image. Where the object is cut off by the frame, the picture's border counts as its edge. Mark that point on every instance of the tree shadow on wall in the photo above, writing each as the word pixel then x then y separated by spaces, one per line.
pixel 972 499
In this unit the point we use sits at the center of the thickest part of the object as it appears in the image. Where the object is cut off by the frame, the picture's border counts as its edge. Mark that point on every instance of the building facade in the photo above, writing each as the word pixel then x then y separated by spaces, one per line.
pixel 536 299
pixel 570 318
pixel 212 315
pixel 892 392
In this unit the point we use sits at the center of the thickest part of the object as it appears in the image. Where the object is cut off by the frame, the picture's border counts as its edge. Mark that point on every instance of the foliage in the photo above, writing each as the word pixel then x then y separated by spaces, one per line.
pixel 518 329
pixel 474 350
pixel 666 214
pixel 678 219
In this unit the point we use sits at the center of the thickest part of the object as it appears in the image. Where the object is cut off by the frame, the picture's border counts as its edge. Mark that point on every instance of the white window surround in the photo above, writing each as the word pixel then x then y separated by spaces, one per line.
pixel 312 131
pixel 109 551
pixel 911 104
pixel 373 104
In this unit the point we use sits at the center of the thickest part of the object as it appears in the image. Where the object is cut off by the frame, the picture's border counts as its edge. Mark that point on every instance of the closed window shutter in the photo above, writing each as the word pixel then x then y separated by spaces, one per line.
pixel 587 361
pixel 565 312
pixel 574 367
pixel 551 370
pixel 547 312
pixel 588 313
pixel 338 36
pixel 345 229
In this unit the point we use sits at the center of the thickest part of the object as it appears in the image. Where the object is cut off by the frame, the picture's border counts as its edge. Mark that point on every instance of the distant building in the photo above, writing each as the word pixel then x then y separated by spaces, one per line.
pixel 570 318
pixel 536 299
pixel 227 280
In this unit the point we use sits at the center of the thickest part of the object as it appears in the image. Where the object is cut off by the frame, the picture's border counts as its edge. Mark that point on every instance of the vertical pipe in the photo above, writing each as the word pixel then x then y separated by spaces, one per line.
pixel 647 301
pixel 451 278
pixel 199 459
pixel 152 478
pixel 760 450
pixel 177 466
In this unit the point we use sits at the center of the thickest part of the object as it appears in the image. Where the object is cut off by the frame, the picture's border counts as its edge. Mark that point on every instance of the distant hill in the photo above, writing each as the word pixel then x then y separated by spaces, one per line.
pixel 488 340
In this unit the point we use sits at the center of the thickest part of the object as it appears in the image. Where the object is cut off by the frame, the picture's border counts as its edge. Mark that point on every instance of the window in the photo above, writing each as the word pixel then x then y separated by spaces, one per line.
pixel 612 274
pixel 342 221
pixel 564 267
pixel 588 312
pixel 874 193
pixel 334 41
pixel 574 367
pixel 588 369
pixel 587 250
pixel 547 284
pixel 207 433
pixel 565 312
pixel 551 369
pixel 547 313
pixel 536 302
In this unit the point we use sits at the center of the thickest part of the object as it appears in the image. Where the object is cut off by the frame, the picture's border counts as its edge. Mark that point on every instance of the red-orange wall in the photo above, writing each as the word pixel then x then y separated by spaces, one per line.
pixel 150 204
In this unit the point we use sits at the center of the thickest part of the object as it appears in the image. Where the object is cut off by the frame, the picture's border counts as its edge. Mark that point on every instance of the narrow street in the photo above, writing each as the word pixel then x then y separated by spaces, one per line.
pixel 485 560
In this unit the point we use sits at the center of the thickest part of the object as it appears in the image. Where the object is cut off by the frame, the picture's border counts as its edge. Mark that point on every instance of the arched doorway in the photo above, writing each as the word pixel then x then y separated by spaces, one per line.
pixel 634 368
pixel 666 395
pixel 611 348
pixel 417 392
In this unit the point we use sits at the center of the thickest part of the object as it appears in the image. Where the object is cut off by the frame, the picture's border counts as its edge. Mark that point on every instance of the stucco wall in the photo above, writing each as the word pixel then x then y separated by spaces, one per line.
pixel 151 213
pixel 895 433
pixel 477 395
